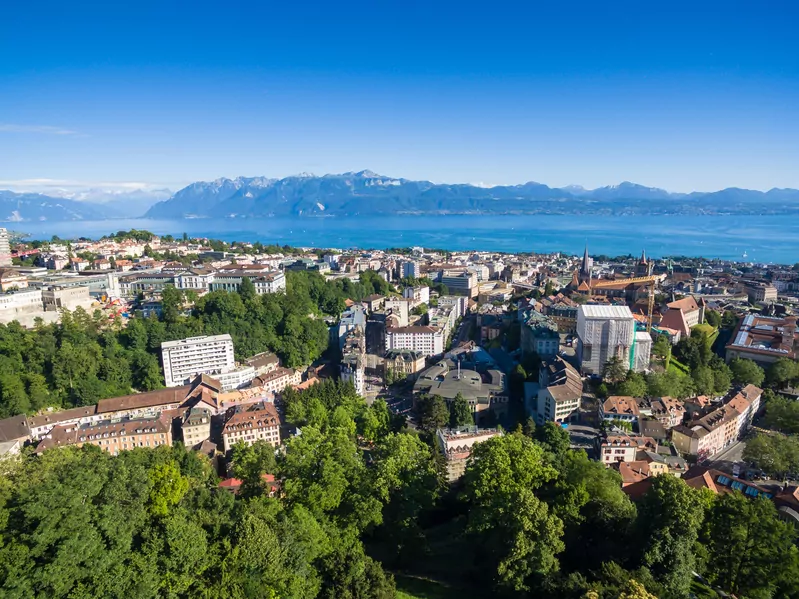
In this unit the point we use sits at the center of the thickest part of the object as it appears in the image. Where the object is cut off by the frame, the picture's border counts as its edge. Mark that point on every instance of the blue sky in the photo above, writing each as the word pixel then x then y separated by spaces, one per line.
pixel 680 95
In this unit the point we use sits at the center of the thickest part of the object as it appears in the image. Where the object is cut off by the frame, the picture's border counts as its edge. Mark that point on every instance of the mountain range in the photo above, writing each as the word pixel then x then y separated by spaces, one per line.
pixel 366 193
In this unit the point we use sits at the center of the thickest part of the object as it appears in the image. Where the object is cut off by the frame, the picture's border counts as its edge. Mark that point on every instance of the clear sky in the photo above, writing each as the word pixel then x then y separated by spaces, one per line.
pixel 681 95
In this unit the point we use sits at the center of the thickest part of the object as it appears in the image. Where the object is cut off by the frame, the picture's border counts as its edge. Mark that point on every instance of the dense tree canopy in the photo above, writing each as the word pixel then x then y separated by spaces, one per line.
pixel 85 358
pixel 746 372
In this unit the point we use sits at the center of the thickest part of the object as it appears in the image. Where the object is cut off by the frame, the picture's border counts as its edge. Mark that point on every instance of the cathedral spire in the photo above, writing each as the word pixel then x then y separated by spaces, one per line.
pixel 585 268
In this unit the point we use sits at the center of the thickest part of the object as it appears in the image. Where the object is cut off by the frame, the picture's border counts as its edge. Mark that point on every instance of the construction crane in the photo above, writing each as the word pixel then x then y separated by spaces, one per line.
pixel 648 281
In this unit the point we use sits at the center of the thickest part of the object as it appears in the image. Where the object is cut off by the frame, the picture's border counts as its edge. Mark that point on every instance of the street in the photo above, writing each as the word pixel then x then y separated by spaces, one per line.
pixel 725 459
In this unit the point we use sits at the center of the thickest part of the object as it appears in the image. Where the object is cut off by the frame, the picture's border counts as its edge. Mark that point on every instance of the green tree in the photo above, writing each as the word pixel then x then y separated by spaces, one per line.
pixel 519 545
pixel 662 348
pixel 782 414
pixel 748 546
pixel 167 488
pixel 713 318
pixel 746 372
pixel 460 412
pixel 247 290
pixel 614 370
pixel 553 437
pixel 782 372
pixel 250 463
pixel 529 427
pixel 433 413
pixel 670 514
pixel 407 482
pixel 634 385
pixel 775 454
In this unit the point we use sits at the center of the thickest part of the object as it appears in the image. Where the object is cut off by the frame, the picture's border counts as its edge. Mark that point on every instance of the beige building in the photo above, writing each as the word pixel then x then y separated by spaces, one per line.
pixel 11 279
pixel 624 448
pixel 196 426
pixel 456 447
pixel 251 423
pixel 683 314
pixel 764 339
pixel 112 437
pixel 720 427
pixel 404 362
pixel 619 407
pixel 277 380
pixel 760 292
pixel 668 411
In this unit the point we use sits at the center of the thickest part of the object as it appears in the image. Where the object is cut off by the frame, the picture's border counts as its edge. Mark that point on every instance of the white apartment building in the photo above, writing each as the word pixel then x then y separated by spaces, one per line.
pixel 417 295
pixel 604 332
pixel 428 341
pixel 235 378
pixel 460 303
pixel 186 358
pixel 5 249
pixel 352 370
pixel 642 351
pixel 270 283
pixel 411 269
pixel 399 307
pixel 19 304
pixel 195 278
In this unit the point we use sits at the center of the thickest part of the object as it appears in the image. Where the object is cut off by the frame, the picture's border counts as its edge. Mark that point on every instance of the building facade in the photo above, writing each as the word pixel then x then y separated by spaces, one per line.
pixel 185 358
pixel 251 423
pixel 604 332
pixel 428 341
pixel 456 447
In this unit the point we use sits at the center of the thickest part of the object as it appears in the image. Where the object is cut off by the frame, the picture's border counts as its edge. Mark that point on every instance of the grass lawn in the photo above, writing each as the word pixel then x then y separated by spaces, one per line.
pixel 678 366
pixel 417 588
pixel 702 591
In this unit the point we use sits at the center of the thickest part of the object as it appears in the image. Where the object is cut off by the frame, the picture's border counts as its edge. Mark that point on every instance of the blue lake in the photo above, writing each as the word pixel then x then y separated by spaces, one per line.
pixel 763 238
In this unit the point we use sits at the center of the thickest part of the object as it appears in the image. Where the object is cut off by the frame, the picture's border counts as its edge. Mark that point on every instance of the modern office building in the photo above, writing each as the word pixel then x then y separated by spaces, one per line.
pixel 461 283
pixel 185 358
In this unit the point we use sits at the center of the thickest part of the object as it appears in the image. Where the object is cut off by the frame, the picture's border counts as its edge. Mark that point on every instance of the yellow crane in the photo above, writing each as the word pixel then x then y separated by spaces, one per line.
pixel 648 281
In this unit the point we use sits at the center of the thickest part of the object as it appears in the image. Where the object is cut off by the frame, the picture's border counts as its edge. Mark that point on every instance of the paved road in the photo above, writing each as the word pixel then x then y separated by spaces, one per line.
pixel 725 459
pixel 463 330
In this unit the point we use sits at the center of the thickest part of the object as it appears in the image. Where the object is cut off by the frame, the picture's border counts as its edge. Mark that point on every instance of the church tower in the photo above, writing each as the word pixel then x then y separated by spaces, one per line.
pixel 585 268
pixel 644 266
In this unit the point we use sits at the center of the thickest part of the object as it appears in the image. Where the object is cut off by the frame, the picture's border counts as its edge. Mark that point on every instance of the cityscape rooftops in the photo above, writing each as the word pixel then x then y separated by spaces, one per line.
pixel 766 335
pixel 621 405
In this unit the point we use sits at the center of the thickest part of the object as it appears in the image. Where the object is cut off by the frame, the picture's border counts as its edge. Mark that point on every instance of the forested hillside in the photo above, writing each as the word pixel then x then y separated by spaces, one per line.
pixel 363 498
pixel 84 358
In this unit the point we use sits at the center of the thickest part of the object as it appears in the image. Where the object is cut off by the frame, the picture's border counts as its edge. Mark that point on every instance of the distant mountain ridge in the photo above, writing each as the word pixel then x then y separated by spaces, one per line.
pixel 366 193
pixel 22 207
